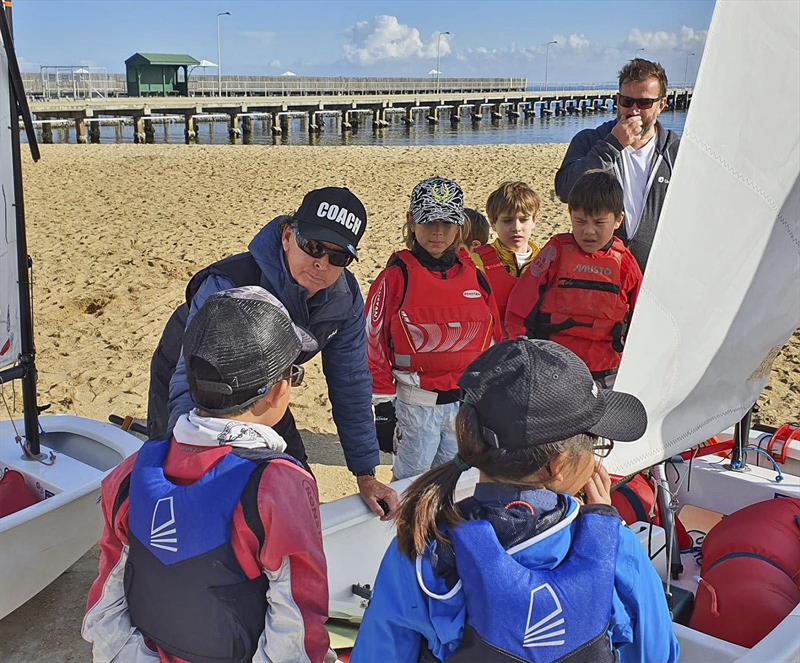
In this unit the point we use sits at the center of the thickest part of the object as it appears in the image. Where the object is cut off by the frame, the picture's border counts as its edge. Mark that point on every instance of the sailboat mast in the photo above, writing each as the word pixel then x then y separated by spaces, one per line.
pixel 26 369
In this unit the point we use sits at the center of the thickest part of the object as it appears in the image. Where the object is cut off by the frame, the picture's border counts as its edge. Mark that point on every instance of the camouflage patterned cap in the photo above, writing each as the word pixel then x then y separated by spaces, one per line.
pixel 437 199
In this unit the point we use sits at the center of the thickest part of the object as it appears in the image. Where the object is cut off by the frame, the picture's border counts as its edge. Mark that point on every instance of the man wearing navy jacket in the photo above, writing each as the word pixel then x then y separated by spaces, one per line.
pixel 301 259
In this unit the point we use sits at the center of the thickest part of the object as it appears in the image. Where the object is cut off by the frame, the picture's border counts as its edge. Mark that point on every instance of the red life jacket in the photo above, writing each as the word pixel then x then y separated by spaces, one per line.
pixel 501 282
pixel 442 324
pixel 586 302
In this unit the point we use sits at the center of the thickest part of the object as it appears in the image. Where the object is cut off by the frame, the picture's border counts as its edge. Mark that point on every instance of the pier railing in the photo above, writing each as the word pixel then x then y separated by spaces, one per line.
pixel 82 83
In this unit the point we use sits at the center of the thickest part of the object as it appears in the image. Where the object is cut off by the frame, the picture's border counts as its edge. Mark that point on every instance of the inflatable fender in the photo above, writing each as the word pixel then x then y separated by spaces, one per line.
pixel 634 500
pixel 750 577
pixel 15 493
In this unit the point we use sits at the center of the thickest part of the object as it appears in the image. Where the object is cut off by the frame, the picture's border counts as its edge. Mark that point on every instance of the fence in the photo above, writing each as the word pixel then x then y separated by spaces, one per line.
pixel 78 83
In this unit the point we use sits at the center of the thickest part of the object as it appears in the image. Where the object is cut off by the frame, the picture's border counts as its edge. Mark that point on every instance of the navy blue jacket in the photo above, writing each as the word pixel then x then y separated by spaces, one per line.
pixel 344 351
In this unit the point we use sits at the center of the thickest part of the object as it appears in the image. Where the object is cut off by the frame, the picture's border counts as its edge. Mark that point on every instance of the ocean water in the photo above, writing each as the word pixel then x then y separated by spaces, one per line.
pixel 487 132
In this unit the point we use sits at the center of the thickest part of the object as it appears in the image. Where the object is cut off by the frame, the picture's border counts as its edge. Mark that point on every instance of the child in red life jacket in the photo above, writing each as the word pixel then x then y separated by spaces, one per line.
pixel 429 314
pixel 478 233
pixel 581 289
pixel 512 211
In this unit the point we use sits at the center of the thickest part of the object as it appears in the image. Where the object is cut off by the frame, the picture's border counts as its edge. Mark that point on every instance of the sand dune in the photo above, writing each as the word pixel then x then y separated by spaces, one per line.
pixel 117 230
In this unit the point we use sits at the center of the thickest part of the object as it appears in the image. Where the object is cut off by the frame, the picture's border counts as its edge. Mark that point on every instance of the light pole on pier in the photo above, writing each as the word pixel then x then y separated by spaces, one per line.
pixel 638 50
pixel 219 57
pixel 438 44
pixel 686 70
pixel 546 60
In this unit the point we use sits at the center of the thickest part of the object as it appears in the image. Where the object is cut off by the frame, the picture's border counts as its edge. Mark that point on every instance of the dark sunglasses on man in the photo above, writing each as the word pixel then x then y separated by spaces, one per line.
pixel 644 103
pixel 318 250
pixel 294 374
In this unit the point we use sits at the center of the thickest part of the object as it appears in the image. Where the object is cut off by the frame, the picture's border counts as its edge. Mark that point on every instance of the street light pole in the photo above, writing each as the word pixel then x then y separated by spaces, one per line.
pixel 636 54
pixel 546 60
pixel 686 70
pixel 219 57
pixel 438 44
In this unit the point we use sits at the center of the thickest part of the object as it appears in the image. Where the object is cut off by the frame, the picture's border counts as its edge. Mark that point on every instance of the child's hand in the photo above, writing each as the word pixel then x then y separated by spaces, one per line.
pixel 598 488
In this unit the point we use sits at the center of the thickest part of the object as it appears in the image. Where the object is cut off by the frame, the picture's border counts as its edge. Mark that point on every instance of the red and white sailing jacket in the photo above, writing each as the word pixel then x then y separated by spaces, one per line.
pixel 424 327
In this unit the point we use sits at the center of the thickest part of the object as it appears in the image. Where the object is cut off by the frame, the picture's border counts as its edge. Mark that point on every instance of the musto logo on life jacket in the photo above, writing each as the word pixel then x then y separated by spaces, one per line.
pixel 544 619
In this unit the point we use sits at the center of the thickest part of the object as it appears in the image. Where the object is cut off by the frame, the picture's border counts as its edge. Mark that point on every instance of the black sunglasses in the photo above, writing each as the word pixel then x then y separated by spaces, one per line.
pixel 603 447
pixel 644 103
pixel 294 374
pixel 318 250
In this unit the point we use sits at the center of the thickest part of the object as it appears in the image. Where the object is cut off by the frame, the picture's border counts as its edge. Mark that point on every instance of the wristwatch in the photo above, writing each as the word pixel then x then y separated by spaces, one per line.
pixel 365 473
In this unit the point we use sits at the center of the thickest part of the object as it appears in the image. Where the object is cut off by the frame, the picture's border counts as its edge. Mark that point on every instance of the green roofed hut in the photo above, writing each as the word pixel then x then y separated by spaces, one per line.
pixel 158 74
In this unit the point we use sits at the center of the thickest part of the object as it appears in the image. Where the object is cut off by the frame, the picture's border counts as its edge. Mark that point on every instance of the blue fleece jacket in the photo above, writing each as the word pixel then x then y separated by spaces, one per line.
pixel 402 617
pixel 344 350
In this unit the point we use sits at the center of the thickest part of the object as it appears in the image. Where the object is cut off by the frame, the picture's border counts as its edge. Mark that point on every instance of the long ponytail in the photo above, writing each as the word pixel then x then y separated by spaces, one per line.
pixel 430 501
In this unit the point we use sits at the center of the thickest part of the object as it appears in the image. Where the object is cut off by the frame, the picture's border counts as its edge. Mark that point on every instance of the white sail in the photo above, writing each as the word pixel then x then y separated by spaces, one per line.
pixel 722 290
pixel 9 295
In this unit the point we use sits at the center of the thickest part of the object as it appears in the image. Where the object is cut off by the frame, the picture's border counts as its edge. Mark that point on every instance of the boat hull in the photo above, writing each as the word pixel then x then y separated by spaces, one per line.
pixel 39 543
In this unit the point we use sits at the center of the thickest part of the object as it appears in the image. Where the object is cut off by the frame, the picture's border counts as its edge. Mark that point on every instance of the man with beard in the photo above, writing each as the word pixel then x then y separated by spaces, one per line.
pixel 636 148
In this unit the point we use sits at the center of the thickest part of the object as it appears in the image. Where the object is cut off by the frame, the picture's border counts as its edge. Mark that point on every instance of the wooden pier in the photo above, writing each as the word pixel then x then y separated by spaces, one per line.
pixel 274 112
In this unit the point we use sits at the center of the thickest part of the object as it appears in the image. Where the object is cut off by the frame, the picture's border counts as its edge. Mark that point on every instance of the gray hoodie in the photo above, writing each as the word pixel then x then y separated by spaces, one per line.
pixel 598 148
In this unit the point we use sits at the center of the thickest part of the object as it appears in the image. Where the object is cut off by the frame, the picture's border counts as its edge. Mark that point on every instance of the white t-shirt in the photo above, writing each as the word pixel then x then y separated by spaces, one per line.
pixel 635 171
pixel 523 258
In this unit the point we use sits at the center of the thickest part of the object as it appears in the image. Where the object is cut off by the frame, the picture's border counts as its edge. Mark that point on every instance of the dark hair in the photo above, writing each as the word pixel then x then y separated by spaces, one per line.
pixel 638 70
pixel 597 192
pixel 478 227
pixel 430 500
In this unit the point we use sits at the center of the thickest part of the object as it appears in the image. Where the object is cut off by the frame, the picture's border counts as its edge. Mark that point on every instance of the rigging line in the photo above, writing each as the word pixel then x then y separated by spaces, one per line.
pixel 50 459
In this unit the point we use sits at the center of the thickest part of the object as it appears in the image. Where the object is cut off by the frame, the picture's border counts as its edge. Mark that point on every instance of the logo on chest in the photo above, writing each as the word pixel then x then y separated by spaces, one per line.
pixel 163 533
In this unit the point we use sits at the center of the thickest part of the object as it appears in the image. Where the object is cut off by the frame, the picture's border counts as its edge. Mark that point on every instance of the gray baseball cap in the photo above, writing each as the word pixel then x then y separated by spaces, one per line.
pixel 529 392
pixel 237 346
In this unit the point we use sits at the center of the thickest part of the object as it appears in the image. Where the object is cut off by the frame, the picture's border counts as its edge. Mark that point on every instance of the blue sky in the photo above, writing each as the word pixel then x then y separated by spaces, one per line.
pixel 371 38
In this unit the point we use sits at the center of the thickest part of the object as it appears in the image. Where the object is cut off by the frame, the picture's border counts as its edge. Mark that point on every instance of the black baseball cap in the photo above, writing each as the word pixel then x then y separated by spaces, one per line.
pixel 236 347
pixel 529 392
pixel 332 214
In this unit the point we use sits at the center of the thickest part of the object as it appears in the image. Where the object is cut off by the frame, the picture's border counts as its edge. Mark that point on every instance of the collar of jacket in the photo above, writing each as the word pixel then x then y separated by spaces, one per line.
pixel 441 264
pixel 509 258
pixel 664 137
pixel 267 249
pixel 515 513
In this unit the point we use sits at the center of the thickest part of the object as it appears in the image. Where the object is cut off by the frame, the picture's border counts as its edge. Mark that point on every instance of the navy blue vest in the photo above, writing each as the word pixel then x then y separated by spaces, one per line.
pixel 184 586
pixel 519 614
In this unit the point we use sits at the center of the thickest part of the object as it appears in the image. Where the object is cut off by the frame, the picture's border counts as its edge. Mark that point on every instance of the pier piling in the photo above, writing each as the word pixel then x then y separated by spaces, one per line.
pixel 80 129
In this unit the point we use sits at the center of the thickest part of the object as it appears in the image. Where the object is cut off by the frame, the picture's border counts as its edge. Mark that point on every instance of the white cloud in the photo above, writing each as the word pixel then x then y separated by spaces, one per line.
pixel 275 64
pixel 261 37
pixel 385 38
pixel 575 42
pixel 661 41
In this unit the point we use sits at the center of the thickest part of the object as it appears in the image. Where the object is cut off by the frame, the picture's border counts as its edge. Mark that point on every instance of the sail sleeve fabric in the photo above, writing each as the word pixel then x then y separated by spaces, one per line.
pixel 720 295
pixel 9 295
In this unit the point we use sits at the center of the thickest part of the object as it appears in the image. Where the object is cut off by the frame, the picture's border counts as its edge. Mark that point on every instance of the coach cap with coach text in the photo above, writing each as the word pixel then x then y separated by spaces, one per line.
pixel 332 214
pixel 529 392
pixel 237 347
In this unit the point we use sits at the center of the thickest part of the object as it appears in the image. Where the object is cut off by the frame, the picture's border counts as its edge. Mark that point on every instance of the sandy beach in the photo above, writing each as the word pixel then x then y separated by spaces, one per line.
pixel 116 231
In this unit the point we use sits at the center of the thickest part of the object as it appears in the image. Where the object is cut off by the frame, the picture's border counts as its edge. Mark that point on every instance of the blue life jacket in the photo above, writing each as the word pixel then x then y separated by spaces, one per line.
pixel 514 613
pixel 184 586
